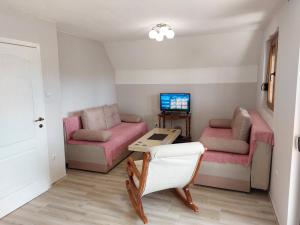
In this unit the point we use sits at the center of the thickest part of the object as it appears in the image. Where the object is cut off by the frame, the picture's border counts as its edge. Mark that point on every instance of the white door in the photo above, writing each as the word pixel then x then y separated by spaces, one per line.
pixel 24 171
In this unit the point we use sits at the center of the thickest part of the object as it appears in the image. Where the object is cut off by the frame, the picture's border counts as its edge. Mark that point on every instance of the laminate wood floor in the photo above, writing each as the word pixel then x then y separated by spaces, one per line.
pixel 86 198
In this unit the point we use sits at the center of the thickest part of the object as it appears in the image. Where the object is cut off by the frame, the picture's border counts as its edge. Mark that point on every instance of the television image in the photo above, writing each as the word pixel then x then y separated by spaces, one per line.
pixel 175 102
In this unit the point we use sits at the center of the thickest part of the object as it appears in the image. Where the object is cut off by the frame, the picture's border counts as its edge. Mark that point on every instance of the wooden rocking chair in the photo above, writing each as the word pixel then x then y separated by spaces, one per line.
pixel 164 167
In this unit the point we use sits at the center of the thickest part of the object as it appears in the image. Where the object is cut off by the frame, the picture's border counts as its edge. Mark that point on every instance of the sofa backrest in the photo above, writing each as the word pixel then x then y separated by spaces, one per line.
pixel 100 118
pixel 94 118
pixel 241 126
pixel 71 124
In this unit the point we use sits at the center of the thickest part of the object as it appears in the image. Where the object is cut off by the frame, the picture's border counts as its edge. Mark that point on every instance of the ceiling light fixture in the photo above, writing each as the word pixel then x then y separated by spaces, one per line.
pixel 160 31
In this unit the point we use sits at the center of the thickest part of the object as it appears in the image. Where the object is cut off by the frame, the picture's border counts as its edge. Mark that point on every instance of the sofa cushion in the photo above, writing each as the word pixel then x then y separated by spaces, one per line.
pixel 122 136
pixel 93 119
pixel 225 145
pixel 235 113
pixel 112 117
pixel 92 135
pixel 130 118
pixel 220 123
pixel 241 126
pixel 222 157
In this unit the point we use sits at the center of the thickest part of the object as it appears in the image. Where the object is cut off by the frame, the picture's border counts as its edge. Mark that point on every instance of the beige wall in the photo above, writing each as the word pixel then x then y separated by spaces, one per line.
pixel 285 181
pixel 207 100
pixel 87 77
pixel 28 29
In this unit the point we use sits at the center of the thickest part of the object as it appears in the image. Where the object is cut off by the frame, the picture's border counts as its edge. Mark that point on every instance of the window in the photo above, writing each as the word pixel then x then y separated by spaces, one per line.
pixel 271 70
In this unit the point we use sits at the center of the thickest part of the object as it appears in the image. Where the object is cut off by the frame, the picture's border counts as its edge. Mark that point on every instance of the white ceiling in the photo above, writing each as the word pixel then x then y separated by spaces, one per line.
pixel 109 20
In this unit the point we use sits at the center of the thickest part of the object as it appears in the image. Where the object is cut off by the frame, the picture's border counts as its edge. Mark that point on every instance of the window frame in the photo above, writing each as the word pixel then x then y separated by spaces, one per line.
pixel 273 50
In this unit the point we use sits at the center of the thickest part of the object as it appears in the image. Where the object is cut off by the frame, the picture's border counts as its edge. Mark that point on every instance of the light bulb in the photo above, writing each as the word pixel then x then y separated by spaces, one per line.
pixel 170 34
pixel 153 34
pixel 159 37
pixel 164 30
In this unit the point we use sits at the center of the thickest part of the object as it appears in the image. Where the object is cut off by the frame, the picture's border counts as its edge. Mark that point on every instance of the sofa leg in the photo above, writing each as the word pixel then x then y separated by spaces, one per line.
pixel 186 198
pixel 136 201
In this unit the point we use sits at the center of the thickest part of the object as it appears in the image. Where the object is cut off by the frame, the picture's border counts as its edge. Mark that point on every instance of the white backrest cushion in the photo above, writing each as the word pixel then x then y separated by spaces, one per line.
pixel 175 150
pixel 172 166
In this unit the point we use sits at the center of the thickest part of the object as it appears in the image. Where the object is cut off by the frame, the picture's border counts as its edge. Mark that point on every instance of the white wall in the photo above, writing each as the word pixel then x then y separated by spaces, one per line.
pixel 295 181
pixel 214 50
pixel 87 77
pixel 32 30
pixel 294 198
pixel 214 75
pixel 285 168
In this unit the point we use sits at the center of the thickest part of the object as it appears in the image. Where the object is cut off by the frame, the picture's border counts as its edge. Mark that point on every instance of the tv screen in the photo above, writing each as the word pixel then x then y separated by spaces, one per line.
pixel 175 102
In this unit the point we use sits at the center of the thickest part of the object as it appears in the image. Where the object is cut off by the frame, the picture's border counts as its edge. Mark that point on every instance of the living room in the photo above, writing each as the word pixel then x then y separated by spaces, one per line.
pixel 101 53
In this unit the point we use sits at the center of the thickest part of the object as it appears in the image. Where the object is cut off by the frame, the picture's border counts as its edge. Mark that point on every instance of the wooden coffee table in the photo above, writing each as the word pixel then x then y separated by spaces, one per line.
pixel 156 136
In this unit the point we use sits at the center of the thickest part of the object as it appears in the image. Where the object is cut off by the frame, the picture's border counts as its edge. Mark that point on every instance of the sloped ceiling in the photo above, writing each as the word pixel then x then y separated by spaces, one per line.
pixel 109 20
pixel 240 48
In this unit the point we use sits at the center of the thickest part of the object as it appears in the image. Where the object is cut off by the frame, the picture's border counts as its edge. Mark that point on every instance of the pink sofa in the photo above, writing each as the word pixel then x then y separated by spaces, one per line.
pixel 100 156
pixel 239 171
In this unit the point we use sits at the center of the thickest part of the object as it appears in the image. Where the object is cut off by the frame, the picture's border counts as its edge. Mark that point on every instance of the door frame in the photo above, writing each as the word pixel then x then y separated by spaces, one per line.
pixel 21 43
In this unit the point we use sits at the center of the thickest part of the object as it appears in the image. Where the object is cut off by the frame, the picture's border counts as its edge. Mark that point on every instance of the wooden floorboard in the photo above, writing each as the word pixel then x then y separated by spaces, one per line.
pixel 86 198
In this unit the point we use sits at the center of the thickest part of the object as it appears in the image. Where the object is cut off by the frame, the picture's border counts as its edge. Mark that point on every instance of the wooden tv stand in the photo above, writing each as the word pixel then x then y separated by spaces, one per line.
pixel 169 116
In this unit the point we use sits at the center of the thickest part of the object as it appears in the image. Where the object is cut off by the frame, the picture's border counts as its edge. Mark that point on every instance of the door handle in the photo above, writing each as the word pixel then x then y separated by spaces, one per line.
pixel 40 119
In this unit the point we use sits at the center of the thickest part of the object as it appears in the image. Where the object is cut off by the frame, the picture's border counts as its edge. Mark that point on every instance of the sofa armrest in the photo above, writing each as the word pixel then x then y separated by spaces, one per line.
pixel 261 166
pixel 225 145
pixel 220 123
pixel 130 118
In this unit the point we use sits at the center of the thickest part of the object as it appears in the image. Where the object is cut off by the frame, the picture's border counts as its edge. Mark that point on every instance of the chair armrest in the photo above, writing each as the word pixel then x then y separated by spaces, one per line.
pixel 225 145
pixel 132 168
pixel 220 123
pixel 130 118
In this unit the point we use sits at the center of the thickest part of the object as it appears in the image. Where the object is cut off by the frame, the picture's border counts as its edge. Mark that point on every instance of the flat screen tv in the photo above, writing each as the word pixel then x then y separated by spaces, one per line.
pixel 179 102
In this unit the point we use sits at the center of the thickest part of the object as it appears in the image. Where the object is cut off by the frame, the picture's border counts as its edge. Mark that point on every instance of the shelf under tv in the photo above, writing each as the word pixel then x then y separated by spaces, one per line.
pixel 175 115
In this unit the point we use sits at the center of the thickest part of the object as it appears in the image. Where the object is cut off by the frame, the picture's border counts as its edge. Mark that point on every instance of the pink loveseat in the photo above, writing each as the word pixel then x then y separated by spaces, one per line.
pixel 100 156
pixel 239 171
